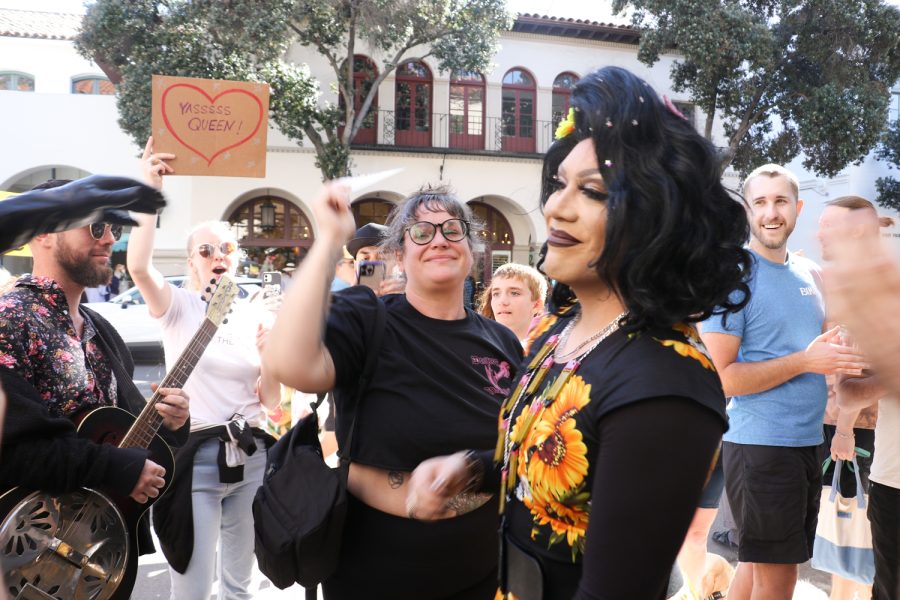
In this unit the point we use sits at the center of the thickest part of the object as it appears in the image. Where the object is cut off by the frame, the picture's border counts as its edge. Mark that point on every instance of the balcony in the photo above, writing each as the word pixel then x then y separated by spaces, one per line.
pixel 453 133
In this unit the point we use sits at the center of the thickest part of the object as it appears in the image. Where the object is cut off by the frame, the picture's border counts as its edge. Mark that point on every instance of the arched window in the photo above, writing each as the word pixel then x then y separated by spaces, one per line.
pixel 272 231
pixel 517 112
pixel 412 113
pixel 371 210
pixel 498 239
pixel 98 86
pixel 467 110
pixel 364 75
pixel 16 82
pixel 562 95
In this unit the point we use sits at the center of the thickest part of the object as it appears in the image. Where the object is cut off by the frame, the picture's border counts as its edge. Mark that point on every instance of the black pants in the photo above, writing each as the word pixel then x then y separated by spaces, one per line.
pixel 884 515
pixel 384 557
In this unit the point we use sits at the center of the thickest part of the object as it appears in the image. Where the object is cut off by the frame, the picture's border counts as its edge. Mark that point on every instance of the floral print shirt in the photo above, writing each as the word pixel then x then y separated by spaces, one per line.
pixel 39 342
pixel 550 507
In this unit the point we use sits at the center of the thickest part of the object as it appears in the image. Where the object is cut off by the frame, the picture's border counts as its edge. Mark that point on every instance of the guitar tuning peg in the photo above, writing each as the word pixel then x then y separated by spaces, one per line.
pixel 224 321
pixel 208 290
pixel 212 281
pixel 203 297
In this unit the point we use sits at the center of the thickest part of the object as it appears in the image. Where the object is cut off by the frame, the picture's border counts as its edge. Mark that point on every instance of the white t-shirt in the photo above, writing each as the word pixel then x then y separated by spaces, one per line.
pixel 224 380
pixel 886 459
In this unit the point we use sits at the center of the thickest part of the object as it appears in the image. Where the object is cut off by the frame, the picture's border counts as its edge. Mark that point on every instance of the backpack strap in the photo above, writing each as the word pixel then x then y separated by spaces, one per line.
pixel 368 371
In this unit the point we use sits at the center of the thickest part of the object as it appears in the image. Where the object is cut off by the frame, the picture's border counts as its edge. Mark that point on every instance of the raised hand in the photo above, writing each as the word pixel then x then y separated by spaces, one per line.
pixel 333 215
pixel 154 165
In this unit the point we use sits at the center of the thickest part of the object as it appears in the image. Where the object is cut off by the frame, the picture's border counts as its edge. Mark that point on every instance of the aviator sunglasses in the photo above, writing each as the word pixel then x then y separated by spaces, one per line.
pixel 453 230
pixel 207 250
pixel 98 230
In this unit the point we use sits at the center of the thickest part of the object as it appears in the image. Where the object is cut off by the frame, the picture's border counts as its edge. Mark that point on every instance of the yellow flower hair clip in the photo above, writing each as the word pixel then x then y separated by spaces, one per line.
pixel 566 126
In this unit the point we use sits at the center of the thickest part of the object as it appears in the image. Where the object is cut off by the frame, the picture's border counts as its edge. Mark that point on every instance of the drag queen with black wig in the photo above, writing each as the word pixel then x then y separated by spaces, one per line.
pixel 609 434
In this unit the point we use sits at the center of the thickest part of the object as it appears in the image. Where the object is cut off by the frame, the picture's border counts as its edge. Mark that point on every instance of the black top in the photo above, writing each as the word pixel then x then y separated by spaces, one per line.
pixel 437 385
pixel 615 464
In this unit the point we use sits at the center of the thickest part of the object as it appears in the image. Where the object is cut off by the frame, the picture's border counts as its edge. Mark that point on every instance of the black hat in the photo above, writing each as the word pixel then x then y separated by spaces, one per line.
pixel 370 234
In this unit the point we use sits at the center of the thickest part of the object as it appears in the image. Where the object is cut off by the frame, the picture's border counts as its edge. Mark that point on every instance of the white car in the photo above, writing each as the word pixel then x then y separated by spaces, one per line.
pixel 129 314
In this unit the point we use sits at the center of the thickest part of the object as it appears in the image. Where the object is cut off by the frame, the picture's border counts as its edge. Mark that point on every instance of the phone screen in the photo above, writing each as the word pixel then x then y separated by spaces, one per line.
pixel 371 273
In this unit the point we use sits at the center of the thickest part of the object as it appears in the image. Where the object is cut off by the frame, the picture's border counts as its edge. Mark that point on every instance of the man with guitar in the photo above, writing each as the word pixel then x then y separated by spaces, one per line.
pixel 58 362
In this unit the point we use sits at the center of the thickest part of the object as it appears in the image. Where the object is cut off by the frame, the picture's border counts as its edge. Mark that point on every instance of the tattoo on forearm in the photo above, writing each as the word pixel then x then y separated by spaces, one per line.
pixel 465 502
pixel 395 479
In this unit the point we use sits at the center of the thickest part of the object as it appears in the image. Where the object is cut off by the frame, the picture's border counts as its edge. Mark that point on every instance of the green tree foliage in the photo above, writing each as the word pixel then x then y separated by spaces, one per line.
pixel 784 76
pixel 247 40
pixel 889 151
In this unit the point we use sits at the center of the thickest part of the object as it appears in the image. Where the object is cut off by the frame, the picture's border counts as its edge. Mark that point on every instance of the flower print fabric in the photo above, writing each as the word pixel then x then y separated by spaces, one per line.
pixel 551 506
pixel 38 341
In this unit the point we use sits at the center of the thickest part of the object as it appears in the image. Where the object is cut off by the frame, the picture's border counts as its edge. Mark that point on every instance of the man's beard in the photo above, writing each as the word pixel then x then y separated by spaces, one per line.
pixel 83 271
pixel 759 232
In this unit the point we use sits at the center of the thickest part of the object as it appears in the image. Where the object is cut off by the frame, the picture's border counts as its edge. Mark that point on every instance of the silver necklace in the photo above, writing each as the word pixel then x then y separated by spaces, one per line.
pixel 591 342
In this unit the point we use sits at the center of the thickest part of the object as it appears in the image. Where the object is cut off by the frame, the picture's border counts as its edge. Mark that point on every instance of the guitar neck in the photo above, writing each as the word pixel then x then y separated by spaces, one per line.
pixel 149 421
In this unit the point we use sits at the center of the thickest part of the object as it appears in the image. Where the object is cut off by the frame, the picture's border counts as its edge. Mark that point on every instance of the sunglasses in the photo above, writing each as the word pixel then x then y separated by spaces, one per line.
pixel 207 250
pixel 453 230
pixel 98 230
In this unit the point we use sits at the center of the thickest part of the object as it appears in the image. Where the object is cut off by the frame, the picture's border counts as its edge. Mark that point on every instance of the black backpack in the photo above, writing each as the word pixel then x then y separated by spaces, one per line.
pixel 299 509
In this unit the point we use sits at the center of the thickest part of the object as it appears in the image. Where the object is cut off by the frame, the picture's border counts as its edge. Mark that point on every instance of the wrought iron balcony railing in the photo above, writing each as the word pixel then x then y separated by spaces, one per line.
pixel 454 132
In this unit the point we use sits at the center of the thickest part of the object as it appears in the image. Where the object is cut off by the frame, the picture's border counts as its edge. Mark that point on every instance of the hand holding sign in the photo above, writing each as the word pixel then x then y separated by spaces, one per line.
pixel 215 127
pixel 154 165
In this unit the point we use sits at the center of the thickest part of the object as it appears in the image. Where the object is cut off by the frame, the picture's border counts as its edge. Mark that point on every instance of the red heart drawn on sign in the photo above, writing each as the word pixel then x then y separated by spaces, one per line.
pixel 212 102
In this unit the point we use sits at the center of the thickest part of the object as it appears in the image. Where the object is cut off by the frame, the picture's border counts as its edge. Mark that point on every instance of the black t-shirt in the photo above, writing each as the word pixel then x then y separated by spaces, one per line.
pixel 565 459
pixel 437 385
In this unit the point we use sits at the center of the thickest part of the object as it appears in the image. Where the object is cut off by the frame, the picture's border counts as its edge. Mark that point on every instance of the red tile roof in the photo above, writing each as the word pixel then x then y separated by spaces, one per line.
pixel 40 25
pixel 576 28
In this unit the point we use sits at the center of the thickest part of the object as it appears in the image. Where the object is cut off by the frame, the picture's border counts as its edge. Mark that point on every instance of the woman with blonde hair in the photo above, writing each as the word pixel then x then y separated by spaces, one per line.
pixel 514 298
pixel 204 522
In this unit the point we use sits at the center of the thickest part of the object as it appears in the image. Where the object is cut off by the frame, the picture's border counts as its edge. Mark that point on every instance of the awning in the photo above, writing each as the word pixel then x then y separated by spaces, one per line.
pixel 23 251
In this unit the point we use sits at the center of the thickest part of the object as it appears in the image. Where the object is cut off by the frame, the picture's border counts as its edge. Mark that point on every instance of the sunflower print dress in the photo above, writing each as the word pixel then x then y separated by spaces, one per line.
pixel 550 508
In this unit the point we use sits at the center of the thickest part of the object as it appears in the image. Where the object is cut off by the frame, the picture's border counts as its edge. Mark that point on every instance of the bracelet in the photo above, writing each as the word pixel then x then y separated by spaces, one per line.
pixel 475 468
pixel 846 436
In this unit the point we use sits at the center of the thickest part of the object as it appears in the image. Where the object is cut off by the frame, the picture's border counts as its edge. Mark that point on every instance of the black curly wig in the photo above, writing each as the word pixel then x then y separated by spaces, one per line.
pixel 674 247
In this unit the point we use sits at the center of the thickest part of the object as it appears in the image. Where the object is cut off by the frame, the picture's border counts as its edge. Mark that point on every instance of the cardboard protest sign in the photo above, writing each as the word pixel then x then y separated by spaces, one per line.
pixel 213 127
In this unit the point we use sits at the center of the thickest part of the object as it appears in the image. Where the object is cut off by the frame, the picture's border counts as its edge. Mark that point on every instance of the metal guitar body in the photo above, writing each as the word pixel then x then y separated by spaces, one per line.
pixel 79 545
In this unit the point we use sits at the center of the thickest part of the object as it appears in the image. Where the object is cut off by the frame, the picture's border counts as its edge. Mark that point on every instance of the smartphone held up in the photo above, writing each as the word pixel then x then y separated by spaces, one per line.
pixel 272 284
pixel 371 273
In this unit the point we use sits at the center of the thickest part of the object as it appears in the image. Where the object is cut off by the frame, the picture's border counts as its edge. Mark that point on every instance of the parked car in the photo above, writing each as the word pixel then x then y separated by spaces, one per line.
pixel 129 314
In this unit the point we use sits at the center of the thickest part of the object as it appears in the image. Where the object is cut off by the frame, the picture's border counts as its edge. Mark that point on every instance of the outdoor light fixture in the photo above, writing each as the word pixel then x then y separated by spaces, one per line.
pixel 267 215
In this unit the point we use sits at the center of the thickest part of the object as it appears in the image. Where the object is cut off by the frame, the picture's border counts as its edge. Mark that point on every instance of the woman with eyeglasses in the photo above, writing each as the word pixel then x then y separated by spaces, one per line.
pixel 441 373
pixel 220 468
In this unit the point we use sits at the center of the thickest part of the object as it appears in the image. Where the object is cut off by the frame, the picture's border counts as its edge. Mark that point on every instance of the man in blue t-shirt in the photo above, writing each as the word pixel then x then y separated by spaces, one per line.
pixel 772 357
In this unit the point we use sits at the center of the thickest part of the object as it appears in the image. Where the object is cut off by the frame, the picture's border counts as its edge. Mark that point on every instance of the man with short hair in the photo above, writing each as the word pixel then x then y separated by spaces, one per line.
pixel 854 220
pixel 772 357
pixel 843 220
pixel 364 246
pixel 57 363
pixel 364 243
